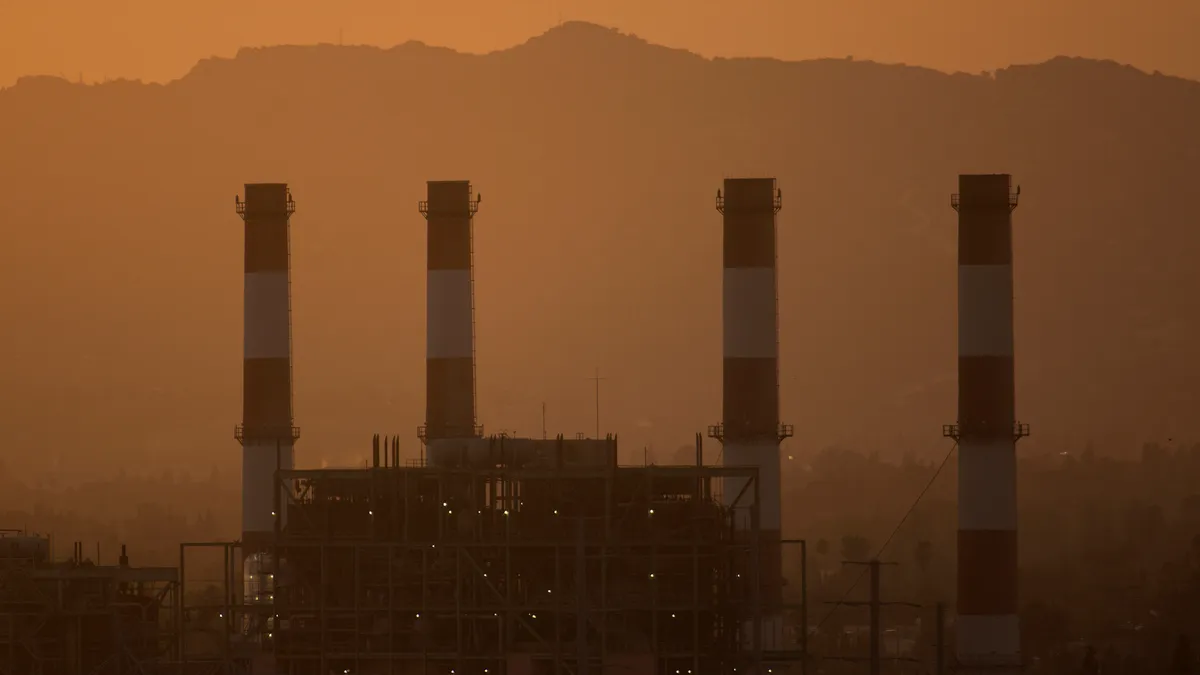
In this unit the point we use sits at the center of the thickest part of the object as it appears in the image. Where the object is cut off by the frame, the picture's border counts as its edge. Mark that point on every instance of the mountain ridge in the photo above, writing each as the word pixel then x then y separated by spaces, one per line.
pixel 569 35
pixel 598 243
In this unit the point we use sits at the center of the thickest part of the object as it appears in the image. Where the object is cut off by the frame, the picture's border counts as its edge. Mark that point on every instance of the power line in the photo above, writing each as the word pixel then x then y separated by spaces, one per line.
pixel 875 604
pixel 891 536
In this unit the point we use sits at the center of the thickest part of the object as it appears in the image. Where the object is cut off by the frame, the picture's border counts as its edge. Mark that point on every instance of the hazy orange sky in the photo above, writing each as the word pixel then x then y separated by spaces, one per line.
pixel 159 40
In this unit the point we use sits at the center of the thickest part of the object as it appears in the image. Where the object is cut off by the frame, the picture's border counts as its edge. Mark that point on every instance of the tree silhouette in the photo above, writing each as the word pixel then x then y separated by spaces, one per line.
pixel 1182 661
pixel 1091 665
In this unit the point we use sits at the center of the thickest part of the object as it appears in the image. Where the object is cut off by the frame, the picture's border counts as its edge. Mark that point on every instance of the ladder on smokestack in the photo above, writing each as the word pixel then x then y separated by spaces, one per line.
pixel 291 356
pixel 471 264
pixel 776 206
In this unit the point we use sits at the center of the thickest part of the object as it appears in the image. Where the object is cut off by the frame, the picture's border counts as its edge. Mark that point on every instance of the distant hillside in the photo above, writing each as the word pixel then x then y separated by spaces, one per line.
pixel 597 243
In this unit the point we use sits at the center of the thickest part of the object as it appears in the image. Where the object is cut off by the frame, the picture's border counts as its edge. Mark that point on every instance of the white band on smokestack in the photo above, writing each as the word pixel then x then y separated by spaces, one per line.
pixel 265 309
pixel 750 431
pixel 450 326
pixel 267 433
pixel 988 632
pixel 749 313
pixel 448 332
pixel 258 474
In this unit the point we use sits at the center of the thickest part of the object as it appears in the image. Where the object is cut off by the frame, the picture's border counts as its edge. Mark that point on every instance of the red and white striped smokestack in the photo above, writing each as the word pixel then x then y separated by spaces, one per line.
pixel 988 633
pixel 751 432
pixel 266 433
pixel 450 322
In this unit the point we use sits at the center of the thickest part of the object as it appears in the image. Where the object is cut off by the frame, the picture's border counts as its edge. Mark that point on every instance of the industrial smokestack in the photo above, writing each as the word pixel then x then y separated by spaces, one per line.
pixel 266 433
pixel 751 432
pixel 450 319
pixel 987 430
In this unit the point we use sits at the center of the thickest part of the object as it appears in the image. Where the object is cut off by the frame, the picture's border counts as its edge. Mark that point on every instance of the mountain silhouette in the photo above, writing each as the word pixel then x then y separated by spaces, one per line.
pixel 121 269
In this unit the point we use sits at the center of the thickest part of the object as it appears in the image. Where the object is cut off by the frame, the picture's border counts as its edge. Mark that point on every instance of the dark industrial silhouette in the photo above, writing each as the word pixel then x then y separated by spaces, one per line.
pixel 463 553
pixel 520 555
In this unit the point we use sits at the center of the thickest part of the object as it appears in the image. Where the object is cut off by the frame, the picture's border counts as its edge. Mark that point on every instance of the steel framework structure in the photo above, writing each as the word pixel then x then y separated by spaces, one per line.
pixel 520 571
pixel 217 628
pixel 79 618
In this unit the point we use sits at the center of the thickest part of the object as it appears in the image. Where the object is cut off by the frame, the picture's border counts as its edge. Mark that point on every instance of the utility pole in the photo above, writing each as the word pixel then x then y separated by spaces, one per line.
pixel 939 658
pixel 805 657
pixel 875 606
pixel 597 379
pixel 581 605
pixel 804 607
pixel 543 420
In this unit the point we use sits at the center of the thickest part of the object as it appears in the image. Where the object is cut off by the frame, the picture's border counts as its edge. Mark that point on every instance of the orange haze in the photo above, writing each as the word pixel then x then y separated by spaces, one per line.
pixel 159 41
pixel 121 257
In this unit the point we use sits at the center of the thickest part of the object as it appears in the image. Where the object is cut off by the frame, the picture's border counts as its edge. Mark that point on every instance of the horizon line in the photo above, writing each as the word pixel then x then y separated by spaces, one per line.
pixel 557 28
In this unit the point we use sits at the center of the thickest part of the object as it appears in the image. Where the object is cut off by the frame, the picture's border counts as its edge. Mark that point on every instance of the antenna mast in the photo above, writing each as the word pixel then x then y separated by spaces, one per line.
pixel 596 378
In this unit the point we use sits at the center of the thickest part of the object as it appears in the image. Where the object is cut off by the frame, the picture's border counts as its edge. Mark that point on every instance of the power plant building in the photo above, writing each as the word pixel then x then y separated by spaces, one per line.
pixel 499 555
pixel 76 616
pixel 508 555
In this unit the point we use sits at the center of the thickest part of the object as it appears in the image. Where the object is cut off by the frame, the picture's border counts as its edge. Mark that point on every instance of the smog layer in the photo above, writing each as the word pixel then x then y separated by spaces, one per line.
pixel 599 153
